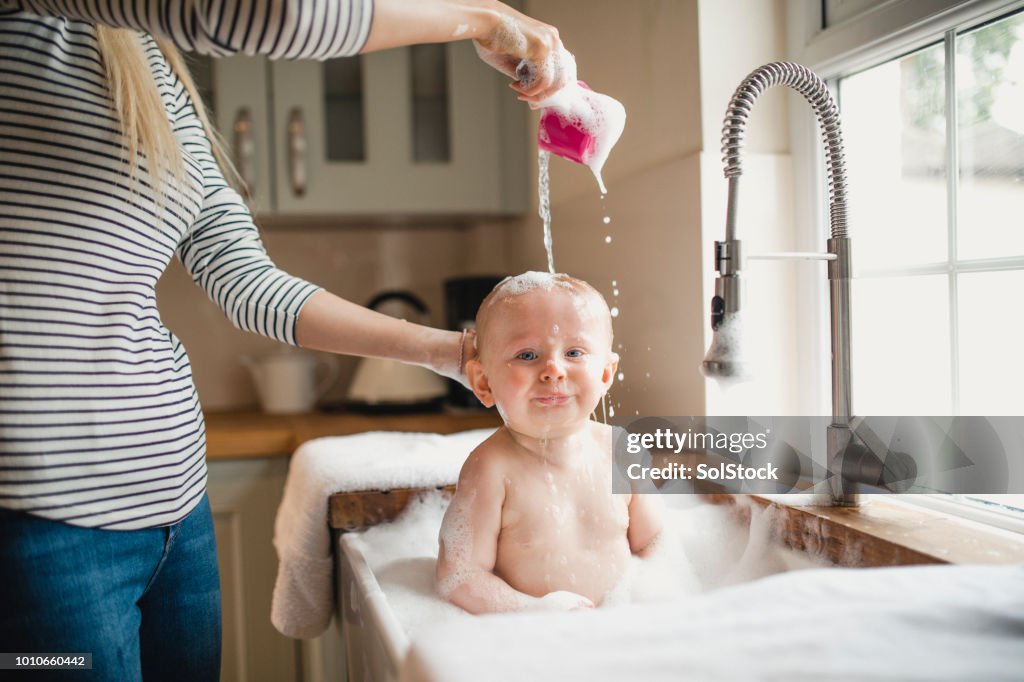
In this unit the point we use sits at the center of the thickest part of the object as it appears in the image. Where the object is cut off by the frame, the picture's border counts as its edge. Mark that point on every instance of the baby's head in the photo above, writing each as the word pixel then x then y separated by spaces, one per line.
pixel 545 352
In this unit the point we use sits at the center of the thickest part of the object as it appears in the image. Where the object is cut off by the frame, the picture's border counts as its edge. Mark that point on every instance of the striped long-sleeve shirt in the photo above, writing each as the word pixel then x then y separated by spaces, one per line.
pixel 100 423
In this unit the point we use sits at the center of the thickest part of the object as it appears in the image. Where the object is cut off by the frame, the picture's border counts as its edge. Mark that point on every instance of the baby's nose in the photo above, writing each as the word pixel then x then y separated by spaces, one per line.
pixel 553 370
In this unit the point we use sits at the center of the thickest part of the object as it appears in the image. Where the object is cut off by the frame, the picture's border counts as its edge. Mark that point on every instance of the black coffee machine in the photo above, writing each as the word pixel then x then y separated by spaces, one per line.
pixel 462 298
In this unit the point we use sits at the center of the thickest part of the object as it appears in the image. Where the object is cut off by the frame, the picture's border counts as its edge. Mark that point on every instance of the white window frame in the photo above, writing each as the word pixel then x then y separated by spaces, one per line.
pixel 885 31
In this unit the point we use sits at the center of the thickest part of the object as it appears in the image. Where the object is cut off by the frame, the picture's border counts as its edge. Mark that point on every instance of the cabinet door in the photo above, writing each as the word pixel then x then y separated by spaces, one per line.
pixel 319 172
pixel 241 113
pixel 244 496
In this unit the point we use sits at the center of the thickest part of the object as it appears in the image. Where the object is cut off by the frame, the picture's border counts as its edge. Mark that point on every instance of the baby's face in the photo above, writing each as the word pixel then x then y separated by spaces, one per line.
pixel 546 360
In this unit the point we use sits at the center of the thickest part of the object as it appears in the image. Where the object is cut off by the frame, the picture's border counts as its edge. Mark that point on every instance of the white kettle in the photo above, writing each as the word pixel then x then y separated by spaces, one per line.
pixel 286 381
pixel 390 386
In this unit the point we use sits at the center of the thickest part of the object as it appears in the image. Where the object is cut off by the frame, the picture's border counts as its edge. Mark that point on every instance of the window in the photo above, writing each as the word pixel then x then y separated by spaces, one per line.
pixel 935 151
pixel 935 154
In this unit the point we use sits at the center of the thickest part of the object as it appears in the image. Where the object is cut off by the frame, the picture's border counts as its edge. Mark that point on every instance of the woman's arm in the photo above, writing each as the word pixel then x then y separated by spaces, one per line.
pixel 329 323
pixel 319 29
pixel 311 29
pixel 504 36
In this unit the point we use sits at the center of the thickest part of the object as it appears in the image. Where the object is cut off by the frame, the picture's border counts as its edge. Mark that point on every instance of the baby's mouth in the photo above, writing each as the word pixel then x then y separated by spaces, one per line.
pixel 553 399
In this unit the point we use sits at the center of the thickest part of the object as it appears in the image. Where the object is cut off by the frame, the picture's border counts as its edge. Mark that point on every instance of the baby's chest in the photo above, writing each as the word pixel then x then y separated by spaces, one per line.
pixel 554 505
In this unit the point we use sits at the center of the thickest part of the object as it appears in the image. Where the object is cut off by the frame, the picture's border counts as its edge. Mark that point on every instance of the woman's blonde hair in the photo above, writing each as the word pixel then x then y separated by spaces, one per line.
pixel 141 112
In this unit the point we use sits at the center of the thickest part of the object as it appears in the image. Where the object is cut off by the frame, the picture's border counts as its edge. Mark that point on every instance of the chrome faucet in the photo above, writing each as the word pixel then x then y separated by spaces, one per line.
pixel 721 361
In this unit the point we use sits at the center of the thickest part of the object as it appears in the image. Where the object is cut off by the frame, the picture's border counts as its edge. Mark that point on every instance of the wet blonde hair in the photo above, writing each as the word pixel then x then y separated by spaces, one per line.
pixel 517 285
pixel 141 112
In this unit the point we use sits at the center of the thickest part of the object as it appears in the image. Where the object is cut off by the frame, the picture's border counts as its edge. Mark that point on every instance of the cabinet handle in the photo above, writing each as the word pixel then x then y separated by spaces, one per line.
pixel 297 152
pixel 244 148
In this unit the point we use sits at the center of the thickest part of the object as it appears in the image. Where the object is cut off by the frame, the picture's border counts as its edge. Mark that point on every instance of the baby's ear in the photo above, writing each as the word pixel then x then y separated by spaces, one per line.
pixel 609 369
pixel 478 382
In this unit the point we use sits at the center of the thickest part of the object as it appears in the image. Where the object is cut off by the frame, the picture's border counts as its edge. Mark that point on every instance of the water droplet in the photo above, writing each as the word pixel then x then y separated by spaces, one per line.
pixel 615 313
pixel 608 239
pixel 611 411
pixel 622 375
pixel 615 292
pixel 607 220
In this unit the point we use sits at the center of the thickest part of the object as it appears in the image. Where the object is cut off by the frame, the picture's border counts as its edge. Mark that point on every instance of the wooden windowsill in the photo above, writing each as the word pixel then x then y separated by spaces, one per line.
pixel 886 532
pixel 882 532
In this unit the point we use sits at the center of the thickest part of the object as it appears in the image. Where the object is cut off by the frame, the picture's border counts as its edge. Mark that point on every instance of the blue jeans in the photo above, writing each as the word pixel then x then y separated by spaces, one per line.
pixel 144 603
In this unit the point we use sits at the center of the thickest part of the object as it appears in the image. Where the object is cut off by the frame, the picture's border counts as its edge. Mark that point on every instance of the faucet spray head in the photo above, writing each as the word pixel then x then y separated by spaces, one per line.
pixel 725 359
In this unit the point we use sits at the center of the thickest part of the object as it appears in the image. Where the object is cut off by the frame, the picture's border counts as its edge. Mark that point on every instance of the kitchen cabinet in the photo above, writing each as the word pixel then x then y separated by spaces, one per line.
pixel 244 496
pixel 425 130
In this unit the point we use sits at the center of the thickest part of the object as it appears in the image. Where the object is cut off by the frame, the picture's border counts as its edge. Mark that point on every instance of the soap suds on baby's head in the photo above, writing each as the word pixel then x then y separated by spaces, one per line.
pixel 582 293
pixel 516 285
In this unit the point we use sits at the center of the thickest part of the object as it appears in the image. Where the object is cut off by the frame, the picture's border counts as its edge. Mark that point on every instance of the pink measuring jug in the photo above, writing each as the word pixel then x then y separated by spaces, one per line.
pixel 560 136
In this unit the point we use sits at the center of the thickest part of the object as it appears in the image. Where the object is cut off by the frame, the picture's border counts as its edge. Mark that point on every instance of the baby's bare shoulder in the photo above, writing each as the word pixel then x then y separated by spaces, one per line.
pixel 603 435
pixel 488 461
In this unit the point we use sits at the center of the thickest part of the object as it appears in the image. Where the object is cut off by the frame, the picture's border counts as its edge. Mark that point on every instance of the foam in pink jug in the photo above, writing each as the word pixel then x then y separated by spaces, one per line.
pixel 559 135
pixel 582 126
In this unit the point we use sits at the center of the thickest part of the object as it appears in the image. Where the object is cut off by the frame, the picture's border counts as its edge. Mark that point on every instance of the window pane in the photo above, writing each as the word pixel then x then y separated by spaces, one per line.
pixel 894 128
pixel 901 358
pixel 990 107
pixel 991 339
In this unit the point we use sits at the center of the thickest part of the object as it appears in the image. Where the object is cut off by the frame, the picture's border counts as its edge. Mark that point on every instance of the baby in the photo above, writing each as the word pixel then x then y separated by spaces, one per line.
pixel 534 523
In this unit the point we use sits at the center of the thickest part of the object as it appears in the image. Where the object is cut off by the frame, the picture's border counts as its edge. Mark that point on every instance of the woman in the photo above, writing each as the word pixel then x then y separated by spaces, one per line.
pixel 108 171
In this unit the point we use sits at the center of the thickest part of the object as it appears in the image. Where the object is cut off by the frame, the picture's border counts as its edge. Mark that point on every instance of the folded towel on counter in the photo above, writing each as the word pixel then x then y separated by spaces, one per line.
pixel 303 602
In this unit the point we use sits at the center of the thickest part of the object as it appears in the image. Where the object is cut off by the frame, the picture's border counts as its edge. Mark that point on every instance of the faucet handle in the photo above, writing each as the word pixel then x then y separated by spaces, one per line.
pixel 727 256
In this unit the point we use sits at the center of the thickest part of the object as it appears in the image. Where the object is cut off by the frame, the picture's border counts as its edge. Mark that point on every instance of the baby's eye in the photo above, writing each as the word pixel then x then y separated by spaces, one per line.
pixel 527 355
pixel 574 353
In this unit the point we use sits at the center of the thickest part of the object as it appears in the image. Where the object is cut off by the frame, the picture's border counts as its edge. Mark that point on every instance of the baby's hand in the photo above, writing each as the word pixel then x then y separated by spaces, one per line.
pixel 563 601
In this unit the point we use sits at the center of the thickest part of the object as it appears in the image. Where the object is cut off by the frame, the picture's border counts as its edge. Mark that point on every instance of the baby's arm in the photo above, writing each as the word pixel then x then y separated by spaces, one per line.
pixel 645 522
pixel 468 548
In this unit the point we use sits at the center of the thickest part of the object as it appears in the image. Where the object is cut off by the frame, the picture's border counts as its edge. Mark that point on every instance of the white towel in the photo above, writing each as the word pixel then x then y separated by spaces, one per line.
pixel 303 602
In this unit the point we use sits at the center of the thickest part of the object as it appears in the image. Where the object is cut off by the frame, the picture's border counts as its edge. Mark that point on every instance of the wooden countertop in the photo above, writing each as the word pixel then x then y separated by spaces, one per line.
pixel 234 435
